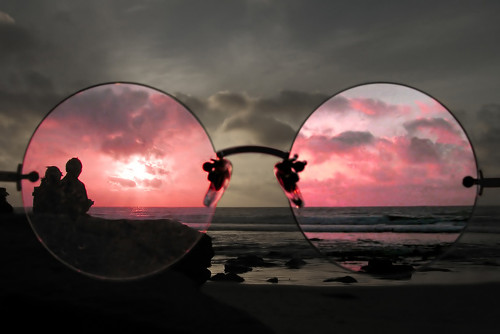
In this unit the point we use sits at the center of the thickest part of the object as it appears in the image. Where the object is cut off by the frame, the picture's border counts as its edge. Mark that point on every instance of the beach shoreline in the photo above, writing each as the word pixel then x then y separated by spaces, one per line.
pixel 35 286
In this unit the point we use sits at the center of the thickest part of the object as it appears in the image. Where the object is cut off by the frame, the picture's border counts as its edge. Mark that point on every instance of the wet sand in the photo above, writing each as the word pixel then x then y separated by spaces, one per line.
pixel 38 292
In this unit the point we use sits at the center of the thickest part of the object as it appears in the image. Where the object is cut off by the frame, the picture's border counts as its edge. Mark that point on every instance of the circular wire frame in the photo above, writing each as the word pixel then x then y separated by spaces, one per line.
pixel 131 203
pixel 383 185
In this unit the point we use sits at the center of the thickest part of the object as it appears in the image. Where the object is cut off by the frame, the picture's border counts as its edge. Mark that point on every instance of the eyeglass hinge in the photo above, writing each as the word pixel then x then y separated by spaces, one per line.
pixel 18 176
pixel 492 182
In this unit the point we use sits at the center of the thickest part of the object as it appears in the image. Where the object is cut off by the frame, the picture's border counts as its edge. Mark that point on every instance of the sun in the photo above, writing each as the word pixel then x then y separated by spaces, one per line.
pixel 134 169
pixel 138 172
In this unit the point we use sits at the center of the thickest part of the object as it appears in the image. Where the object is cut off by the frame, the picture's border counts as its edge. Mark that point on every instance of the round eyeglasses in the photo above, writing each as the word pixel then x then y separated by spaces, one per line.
pixel 381 175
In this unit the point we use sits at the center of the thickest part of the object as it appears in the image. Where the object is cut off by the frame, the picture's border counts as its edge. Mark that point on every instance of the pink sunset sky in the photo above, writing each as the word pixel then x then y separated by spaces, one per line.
pixel 138 147
pixel 384 145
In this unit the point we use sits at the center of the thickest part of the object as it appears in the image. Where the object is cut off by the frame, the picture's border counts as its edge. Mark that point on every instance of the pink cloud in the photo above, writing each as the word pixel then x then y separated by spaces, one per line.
pixel 430 106
pixel 398 157
pixel 376 107
pixel 125 183
pixel 138 146
pixel 442 130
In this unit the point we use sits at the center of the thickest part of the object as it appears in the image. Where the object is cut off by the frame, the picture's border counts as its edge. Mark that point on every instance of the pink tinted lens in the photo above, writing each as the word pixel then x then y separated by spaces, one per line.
pixel 383 184
pixel 131 204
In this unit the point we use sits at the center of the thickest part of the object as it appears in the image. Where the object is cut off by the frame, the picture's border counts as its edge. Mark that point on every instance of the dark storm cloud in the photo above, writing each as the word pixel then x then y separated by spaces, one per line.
pixel 104 108
pixel 264 130
pixel 24 98
pixel 348 142
pixel 16 41
pixel 318 44
pixel 230 101
pixel 27 90
pixel 6 18
pixel 122 119
pixel 15 133
pixel 290 105
pixel 350 139
pixel 337 103
pixel 275 60
pixel 256 46
pixel 259 46
pixel 487 137
pixel 24 86
pixel 123 146
pixel 272 120
pixel 398 36
pixel 434 123
pixel 423 151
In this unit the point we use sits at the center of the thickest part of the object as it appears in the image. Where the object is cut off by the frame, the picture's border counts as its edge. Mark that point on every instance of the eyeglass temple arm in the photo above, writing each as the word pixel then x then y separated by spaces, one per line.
pixel 18 176
pixel 491 182
pixel 252 149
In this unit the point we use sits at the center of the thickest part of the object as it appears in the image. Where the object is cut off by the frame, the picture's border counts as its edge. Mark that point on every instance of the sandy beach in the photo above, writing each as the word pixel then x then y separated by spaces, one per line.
pixel 356 309
pixel 38 292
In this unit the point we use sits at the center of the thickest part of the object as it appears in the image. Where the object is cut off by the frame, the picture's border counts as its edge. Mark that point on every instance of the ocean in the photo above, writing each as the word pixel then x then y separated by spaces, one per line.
pixel 340 240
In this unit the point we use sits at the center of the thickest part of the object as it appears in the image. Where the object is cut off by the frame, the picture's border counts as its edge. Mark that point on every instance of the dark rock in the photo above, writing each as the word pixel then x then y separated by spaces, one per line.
pixel 344 279
pixel 275 254
pixel 273 280
pixel 195 264
pixel 386 269
pixel 236 268
pixel 426 269
pixel 250 260
pixel 295 263
pixel 229 277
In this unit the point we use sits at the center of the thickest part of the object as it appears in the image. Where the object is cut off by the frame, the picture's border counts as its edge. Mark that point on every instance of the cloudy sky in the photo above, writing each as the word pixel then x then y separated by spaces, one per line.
pixel 251 71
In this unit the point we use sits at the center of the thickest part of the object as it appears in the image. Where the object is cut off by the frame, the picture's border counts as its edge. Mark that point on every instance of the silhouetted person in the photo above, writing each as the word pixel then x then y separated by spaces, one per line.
pixel 75 200
pixel 47 198
pixel 5 207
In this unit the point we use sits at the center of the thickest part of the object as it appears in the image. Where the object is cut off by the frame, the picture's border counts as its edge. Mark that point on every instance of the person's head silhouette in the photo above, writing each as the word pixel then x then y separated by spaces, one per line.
pixel 3 193
pixel 53 174
pixel 74 167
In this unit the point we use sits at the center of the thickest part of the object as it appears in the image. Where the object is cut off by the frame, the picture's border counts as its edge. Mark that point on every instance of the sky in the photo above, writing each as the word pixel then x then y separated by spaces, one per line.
pixel 251 71
pixel 384 145
pixel 139 147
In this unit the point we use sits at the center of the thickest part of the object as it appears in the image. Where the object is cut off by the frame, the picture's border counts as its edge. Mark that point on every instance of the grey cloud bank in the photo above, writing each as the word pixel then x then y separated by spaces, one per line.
pixel 252 71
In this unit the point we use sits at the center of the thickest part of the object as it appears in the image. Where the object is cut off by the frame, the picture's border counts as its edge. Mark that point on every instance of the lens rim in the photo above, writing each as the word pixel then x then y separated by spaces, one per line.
pixel 210 215
pixel 477 171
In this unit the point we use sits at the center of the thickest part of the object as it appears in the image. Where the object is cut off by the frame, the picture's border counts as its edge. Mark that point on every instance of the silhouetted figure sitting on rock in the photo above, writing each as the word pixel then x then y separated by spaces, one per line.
pixel 75 201
pixel 5 207
pixel 47 197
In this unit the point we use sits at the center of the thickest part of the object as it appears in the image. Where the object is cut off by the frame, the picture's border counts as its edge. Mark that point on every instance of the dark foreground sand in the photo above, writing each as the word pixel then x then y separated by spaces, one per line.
pixel 355 309
pixel 39 293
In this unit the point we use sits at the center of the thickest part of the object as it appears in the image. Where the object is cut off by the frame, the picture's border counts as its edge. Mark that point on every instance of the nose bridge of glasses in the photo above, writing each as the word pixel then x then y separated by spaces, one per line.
pixel 219 170
pixel 252 149
pixel 286 171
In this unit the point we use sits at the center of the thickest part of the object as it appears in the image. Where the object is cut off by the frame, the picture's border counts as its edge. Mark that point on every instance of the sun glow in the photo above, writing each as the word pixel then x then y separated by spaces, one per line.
pixel 140 173
pixel 134 169
pixel 139 147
